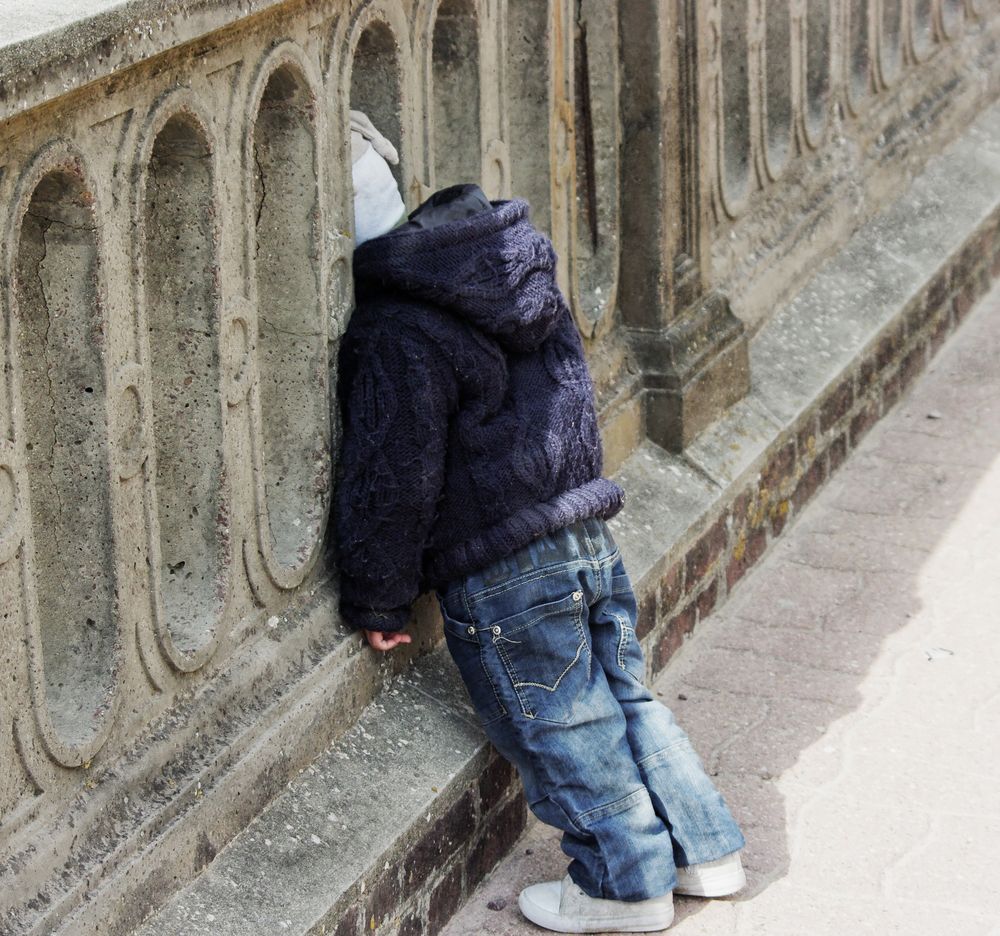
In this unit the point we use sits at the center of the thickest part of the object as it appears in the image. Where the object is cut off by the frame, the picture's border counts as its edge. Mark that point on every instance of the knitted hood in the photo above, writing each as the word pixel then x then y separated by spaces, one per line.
pixel 493 269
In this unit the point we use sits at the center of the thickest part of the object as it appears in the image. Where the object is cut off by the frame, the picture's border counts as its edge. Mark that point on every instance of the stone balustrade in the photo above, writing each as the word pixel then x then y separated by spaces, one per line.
pixel 816 113
pixel 175 275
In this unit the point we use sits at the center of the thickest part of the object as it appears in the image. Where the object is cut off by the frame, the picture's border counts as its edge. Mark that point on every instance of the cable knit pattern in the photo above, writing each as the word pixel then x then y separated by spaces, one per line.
pixel 468 411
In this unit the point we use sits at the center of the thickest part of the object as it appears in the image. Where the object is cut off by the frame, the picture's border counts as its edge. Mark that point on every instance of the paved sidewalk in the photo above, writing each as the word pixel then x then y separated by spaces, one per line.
pixel 847 698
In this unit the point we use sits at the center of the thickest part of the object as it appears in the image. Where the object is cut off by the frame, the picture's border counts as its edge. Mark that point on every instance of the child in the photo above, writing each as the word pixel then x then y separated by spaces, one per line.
pixel 472 466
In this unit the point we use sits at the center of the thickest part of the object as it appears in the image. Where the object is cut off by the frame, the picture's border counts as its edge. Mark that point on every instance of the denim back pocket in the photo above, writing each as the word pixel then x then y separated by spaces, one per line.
pixel 545 653
pixel 467 652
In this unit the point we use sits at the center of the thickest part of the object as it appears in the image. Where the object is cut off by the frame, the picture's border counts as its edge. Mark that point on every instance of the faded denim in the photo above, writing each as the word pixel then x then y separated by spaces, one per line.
pixel 545 642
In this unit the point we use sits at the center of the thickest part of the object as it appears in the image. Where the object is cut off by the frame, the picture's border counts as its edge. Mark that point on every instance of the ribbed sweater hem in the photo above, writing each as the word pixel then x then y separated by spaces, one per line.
pixel 597 498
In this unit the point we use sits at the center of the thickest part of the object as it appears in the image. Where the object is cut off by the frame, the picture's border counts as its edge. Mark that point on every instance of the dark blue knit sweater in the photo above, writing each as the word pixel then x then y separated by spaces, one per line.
pixel 468 411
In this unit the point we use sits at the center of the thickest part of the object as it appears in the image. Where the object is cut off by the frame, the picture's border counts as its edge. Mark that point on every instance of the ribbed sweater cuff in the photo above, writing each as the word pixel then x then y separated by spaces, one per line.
pixel 597 498
pixel 374 620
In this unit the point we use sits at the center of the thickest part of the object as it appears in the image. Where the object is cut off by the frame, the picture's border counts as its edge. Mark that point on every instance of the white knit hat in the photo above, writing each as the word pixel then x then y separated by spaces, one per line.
pixel 378 207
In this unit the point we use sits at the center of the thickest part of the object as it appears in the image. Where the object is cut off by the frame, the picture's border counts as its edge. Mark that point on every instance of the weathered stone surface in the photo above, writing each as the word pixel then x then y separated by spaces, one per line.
pixel 730 446
pixel 696 368
pixel 674 497
pixel 356 810
pixel 176 210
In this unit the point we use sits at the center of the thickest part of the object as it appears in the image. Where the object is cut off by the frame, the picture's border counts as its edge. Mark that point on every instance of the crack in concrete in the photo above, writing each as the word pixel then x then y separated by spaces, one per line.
pixel 701 472
pixel 261 193
pixel 757 694
pixel 851 535
pixel 716 753
pixel 286 331
pixel 823 567
pixel 773 657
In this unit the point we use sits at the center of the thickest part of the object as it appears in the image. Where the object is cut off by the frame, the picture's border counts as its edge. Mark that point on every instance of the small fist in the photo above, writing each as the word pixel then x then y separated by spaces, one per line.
pixel 386 640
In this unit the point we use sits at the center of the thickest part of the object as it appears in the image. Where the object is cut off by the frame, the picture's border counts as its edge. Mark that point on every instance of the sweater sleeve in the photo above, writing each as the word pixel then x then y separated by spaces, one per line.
pixel 395 401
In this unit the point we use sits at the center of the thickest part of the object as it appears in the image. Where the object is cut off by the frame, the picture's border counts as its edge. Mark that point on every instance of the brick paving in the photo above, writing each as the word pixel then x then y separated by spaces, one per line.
pixel 847 697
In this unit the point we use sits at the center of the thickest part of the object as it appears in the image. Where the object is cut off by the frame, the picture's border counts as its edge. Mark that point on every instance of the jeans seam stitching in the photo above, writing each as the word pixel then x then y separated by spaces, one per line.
pixel 662 750
pixel 512 675
pixel 519 579
pixel 622 640
pixel 583 636
pixel 493 688
pixel 517 683
pixel 626 631
pixel 499 589
pixel 465 603
pixel 555 685
pixel 608 809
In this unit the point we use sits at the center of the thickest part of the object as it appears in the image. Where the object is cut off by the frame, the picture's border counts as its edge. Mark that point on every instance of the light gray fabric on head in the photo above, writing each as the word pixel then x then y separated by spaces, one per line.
pixel 378 207
pixel 361 125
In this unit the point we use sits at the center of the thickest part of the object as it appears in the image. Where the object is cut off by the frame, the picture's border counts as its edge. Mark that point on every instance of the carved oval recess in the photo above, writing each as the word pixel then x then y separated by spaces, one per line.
pixel 340 285
pixel 58 348
pixel 777 85
pixel 858 53
pixel 129 453
pixel 890 46
pixel 952 18
pixel 817 68
pixel 455 94
pixel 292 422
pixel 527 71
pixel 17 786
pixel 496 170
pixel 736 170
pixel 375 69
pixel 11 512
pixel 189 504
pixel 240 352
pixel 923 37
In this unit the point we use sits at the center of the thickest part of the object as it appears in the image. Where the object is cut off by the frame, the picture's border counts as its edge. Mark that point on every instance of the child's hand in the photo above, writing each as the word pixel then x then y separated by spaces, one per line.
pixel 386 640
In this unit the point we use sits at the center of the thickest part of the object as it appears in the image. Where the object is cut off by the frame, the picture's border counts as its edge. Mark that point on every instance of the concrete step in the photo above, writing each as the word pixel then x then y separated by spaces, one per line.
pixel 410 801
pixel 416 825
pixel 228 748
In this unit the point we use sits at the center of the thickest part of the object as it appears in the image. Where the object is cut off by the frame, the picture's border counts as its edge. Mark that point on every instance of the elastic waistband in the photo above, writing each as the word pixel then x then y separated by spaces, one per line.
pixel 597 498
pixel 589 538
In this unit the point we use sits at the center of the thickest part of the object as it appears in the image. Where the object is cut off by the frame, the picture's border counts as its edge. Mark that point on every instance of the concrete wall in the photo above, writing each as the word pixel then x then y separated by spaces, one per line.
pixel 174 277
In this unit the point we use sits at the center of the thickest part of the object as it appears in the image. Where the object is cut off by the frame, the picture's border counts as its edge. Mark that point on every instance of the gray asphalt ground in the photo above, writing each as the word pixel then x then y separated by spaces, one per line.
pixel 847 697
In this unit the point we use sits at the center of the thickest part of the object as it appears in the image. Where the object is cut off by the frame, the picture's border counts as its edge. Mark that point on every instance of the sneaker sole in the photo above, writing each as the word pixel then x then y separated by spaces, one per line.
pixel 559 924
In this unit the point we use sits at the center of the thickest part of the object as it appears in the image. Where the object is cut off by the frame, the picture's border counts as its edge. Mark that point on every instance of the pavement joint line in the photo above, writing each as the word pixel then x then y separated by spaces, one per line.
pixel 722 746
pixel 454 710
pixel 774 657
pixel 701 471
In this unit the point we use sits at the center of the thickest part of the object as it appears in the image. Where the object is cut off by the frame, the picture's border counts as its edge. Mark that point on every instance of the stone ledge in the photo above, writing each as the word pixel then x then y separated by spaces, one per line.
pixel 194 778
pixel 397 820
pixel 51 48
pixel 859 332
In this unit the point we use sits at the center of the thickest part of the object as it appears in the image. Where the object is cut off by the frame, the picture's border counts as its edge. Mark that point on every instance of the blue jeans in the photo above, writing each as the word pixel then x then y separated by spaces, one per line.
pixel 545 642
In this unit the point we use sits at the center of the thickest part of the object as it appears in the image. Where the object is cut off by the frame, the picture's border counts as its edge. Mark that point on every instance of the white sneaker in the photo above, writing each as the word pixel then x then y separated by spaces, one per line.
pixel 564 907
pixel 712 878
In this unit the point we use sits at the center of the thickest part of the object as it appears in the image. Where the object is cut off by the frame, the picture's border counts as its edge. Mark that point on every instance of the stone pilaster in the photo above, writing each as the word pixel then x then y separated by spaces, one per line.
pixel 690 346
pixel 694 368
